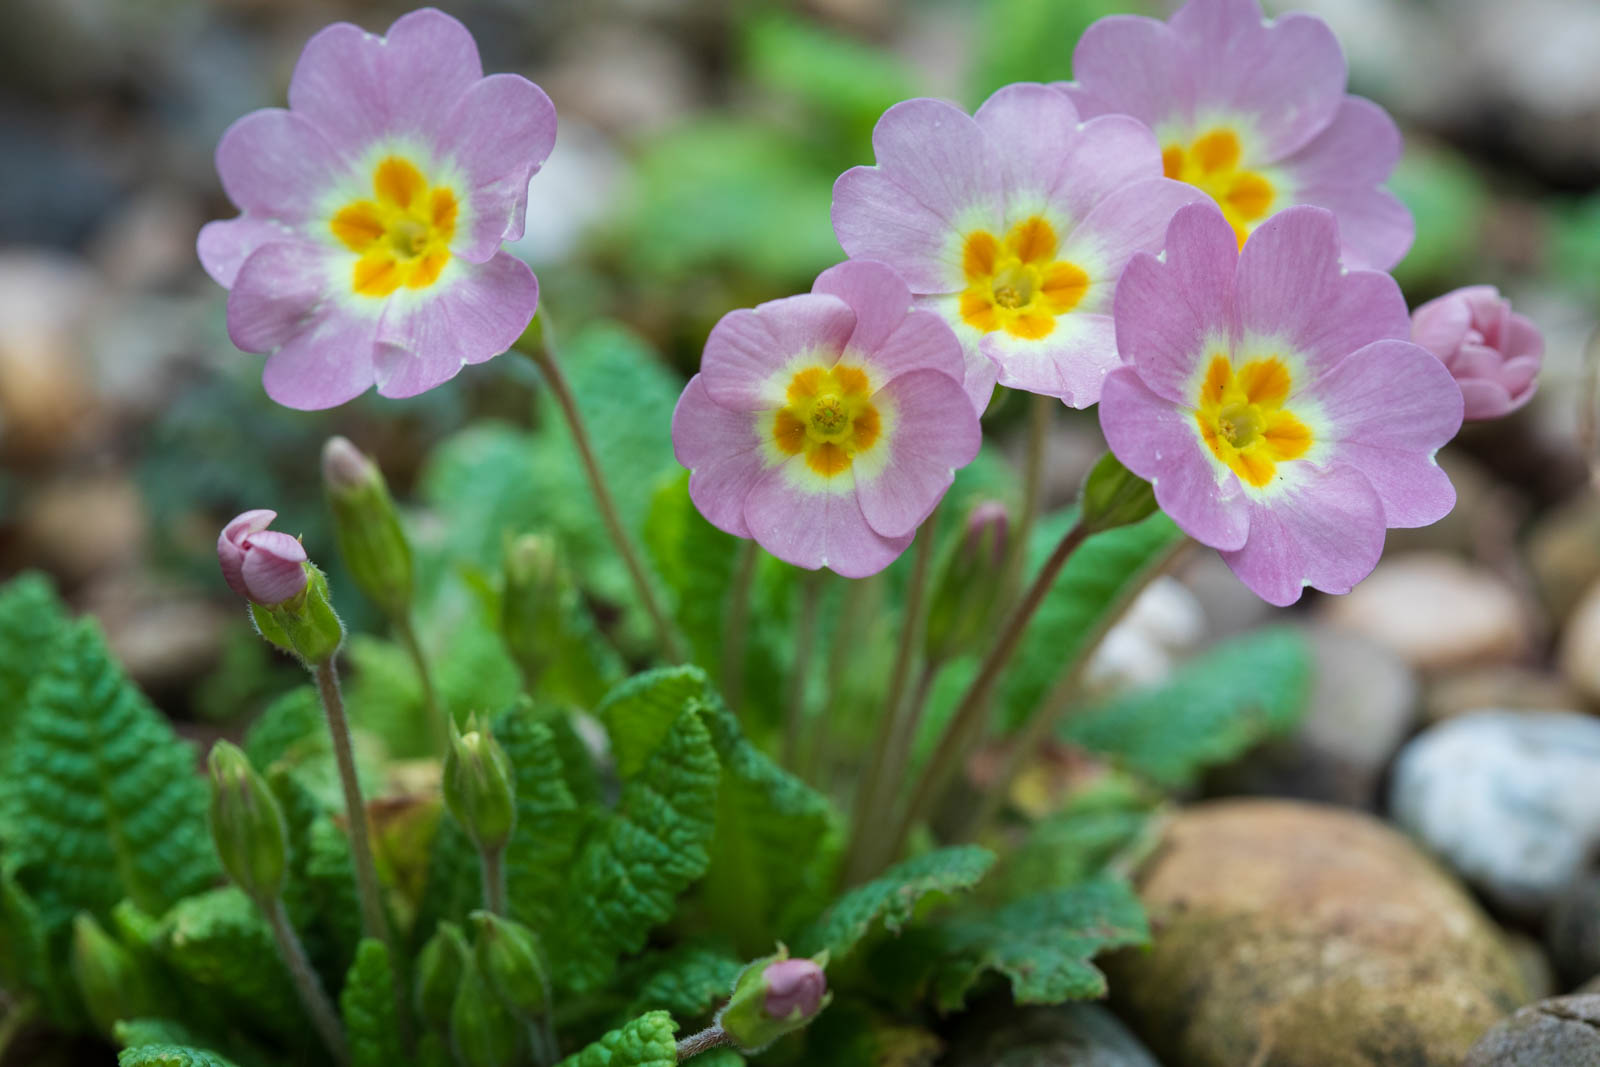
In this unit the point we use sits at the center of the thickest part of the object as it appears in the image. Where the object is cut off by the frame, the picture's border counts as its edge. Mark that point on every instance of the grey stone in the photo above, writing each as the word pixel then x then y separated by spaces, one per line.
pixel 1508 799
pixel 1560 1032
pixel 1572 931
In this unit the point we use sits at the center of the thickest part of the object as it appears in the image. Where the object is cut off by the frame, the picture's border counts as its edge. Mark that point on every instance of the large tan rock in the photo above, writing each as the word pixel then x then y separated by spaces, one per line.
pixel 1296 935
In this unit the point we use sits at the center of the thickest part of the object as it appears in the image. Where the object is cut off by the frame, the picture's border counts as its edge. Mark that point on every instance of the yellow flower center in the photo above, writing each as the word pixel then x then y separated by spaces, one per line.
pixel 402 235
pixel 1243 421
pixel 1018 285
pixel 829 417
pixel 1211 164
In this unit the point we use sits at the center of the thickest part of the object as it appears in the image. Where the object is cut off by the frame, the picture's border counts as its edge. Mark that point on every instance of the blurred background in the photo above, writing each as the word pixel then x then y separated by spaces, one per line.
pixel 699 141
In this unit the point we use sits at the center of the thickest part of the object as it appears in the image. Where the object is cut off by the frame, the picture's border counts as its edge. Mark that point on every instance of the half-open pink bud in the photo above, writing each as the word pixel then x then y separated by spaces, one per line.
pixel 1492 352
pixel 794 985
pixel 274 567
pixel 231 546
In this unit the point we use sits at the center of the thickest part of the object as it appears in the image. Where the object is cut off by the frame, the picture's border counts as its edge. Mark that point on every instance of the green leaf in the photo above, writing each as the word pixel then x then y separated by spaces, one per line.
pixel 1043 943
pixel 775 853
pixel 688 982
pixel 1098 581
pixel 330 874
pixel 1107 823
pixel 137 1033
pixel 219 941
pixel 291 729
pixel 1032 40
pixel 101 798
pixel 26 960
pixel 1210 711
pixel 637 861
pixel 645 1042
pixel 32 619
pixel 639 713
pixel 368 1005
pixel 170 1056
pixel 892 898
pixel 550 822
pixel 844 79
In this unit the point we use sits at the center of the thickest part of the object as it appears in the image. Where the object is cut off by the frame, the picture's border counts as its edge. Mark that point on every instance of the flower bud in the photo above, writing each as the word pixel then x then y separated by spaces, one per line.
pixel 247 825
pixel 370 537
pixel 112 984
pixel 1492 352
pixel 510 957
pixel 774 996
pixel 969 585
pixel 439 967
pixel 536 585
pixel 482 1029
pixel 263 566
pixel 479 788
pixel 1114 496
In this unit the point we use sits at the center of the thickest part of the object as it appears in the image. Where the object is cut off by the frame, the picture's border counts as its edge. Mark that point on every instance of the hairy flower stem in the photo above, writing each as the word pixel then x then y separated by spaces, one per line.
pixel 373 922
pixel 491 862
pixel 706 1040
pixel 1040 409
pixel 306 983
pixel 437 726
pixel 543 356
pixel 875 793
pixel 805 638
pixel 736 624
pixel 965 726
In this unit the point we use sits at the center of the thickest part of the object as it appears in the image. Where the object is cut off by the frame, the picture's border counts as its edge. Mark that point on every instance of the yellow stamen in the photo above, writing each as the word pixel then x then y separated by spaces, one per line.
pixel 1242 418
pixel 1212 163
pixel 829 418
pixel 1018 285
pixel 402 235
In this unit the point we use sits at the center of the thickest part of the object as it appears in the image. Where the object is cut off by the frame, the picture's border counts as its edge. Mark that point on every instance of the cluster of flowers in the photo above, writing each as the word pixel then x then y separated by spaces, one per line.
pixel 1192 234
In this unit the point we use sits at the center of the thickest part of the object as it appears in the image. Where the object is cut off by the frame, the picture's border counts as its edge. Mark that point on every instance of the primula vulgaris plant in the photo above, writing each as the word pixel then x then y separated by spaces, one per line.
pixel 608 870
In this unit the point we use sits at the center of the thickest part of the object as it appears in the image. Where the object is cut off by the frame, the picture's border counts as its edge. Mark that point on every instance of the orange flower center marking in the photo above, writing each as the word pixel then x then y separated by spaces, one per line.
pixel 1211 164
pixel 402 235
pixel 1243 420
pixel 828 417
pixel 1018 285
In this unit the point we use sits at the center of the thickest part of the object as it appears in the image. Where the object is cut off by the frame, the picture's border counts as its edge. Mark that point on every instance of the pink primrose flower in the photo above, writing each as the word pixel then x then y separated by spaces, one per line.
pixel 795 988
pixel 1254 112
pixel 827 426
pixel 367 249
pixel 1013 224
pixel 1493 352
pixel 263 566
pixel 1272 399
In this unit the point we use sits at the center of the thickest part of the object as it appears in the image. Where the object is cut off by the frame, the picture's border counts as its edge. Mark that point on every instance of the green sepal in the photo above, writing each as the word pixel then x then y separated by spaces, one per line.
pixel 305 625
pixel 511 958
pixel 438 975
pixel 1114 496
pixel 112 983
pixel 483 1031
pixel 247 824
pixel 745 1017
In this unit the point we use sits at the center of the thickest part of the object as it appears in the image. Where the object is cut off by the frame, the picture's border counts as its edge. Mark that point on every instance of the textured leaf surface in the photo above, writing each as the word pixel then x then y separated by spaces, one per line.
pixel 1043 943
pixel 170 1056
pixel 26 960
pixel 1110 822
pixel 550 824
pixel 330 873
pixel 136 1033
pixel 775 852
pixel 219 941
pixel 1097 582
pixel 368 1006
pixel 32 619
pixel 1212 710
pixel 645 1042
pixel 892 898
pixel 102 799
pixel 639 713
pixel 688 982
pixel 637 861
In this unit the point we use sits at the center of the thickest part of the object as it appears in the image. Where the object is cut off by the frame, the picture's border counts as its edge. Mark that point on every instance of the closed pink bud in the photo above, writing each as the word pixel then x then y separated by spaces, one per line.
pixel 794 985
pixel 263 566
pixel 1493 353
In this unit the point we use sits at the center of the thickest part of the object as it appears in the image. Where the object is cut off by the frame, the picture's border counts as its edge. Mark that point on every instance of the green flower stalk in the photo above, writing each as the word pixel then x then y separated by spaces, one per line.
pixel 110 979
pixel 440 966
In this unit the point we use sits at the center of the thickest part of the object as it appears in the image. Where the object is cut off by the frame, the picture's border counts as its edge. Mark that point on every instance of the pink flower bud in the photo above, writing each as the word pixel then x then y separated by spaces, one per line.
pixel 263 566
pixel 1493 352
pixel 794 985
pixel 344 468
pixel 988 527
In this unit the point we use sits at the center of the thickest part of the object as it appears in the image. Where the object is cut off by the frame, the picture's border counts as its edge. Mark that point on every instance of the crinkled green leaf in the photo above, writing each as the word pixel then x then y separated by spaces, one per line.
pixel 137 1033
pixel 101 799
pixel 688 982
pixel 645 1042
pixel 291 729
pixel 219 941
pixel 1098 581
pixel 639 713
pixel 892 898
pixel 32 619
pixel 170 1056
pixel 330 874
pixel 27 963
pixel 454 887
pixel 550 822
pixel 639 858
pixel 1212 709
pixel 1042 943
pixel 775 853
pixel 367 1003
pixel 1110 822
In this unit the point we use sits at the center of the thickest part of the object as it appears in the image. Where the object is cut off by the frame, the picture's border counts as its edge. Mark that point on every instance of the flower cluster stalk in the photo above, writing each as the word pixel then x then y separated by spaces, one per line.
pixel 1040 408
pixel 306 983
pixel 438 727
pixel 545 359
pixel 704 1041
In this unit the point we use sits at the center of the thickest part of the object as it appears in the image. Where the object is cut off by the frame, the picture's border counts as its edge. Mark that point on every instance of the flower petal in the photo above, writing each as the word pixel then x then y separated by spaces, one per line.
pixel 224 244
pixel 326 362
pixel 935 432
pixel 1132 219
pixel 500 134
pixel 273 568
pixel 1132 65
pixel 722 450
pixel 1071 363
pixel 749 346
pixel 275 292
pixel 230 545
pixel 815 530
pixel 1390 406
pixel 876 294
pixel 472 317
pixel 276 164
pixel 1324 530
pixel 1156 440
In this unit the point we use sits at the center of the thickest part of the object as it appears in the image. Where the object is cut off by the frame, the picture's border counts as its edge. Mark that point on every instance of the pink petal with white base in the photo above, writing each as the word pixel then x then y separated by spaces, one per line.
pixel 817 530
pixel 723 452
pixel 934 434
pixel 1326 532
pixel 749 346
